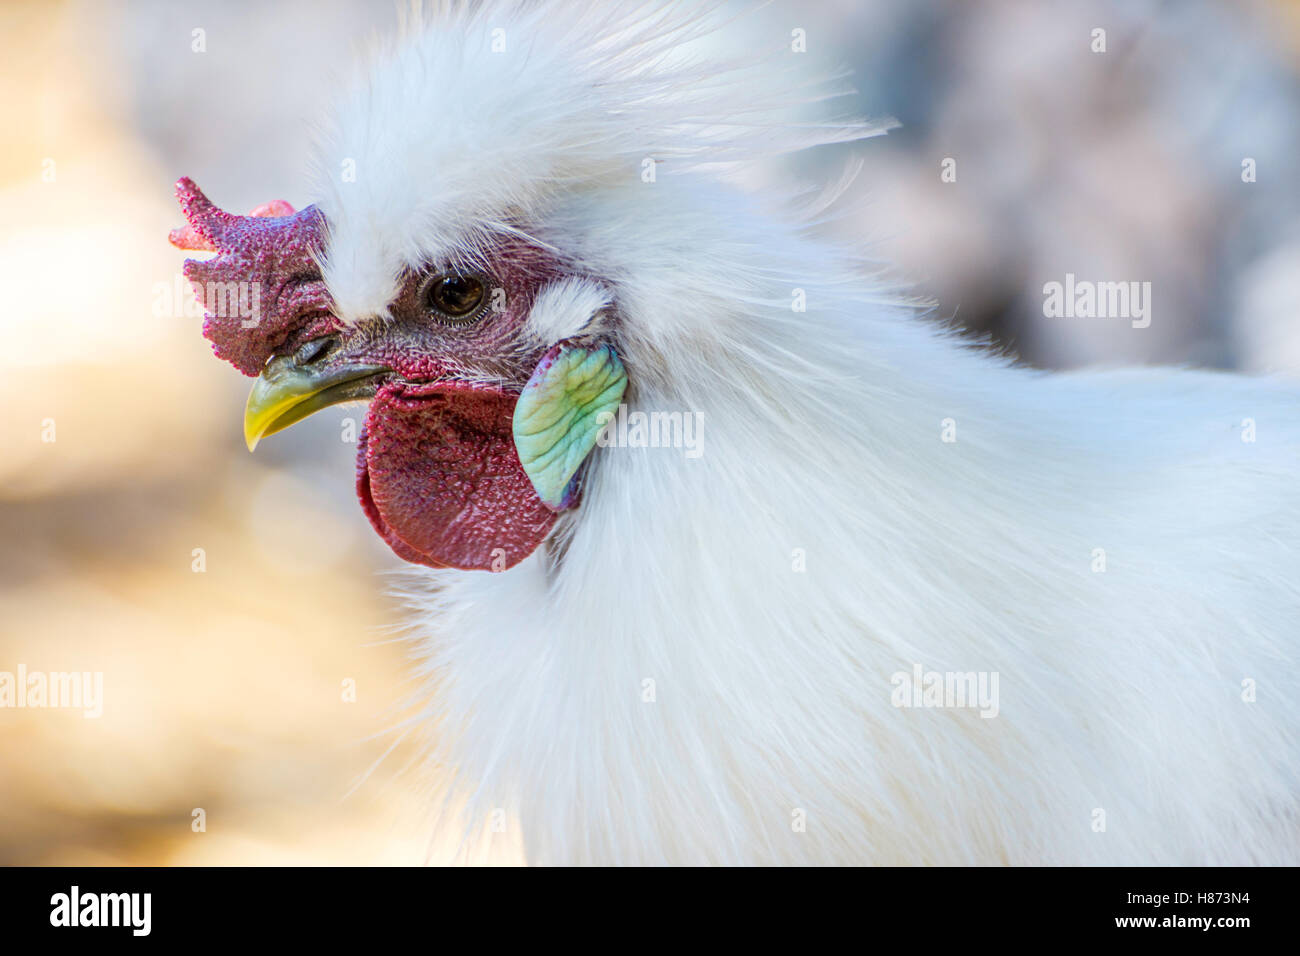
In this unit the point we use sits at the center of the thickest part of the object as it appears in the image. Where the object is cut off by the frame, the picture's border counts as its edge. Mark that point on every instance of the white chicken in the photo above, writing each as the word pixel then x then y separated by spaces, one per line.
pixel 734 560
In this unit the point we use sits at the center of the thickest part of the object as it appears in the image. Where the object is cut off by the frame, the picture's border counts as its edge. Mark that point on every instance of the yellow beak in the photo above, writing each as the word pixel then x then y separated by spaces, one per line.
pixel 286 392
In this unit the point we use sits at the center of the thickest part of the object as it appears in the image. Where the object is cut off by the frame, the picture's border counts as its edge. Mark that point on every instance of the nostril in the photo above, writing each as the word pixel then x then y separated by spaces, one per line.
pixel 309 352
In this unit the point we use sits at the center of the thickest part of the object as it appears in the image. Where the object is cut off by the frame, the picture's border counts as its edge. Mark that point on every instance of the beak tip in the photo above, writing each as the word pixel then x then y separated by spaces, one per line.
pixel 251 435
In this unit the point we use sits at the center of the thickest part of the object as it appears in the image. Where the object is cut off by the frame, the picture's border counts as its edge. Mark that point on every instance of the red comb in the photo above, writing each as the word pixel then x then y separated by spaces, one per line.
pixel 263 285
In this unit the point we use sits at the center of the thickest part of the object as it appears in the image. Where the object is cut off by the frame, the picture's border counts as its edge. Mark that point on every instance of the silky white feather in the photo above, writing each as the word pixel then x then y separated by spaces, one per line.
pixel 822 443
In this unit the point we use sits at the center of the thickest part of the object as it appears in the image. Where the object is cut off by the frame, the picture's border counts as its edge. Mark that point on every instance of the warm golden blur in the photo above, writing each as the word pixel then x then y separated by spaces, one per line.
pixel 224 688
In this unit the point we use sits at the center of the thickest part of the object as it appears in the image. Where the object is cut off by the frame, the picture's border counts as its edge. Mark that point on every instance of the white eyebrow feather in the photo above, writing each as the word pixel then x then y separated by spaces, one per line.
pixel 566 308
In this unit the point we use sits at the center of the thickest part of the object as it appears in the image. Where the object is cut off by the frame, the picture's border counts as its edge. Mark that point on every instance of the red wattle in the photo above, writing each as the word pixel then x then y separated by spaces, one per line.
pixel 439 478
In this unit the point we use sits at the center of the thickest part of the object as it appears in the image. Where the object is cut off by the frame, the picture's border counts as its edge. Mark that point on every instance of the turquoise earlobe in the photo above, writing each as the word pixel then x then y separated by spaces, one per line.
pixel 559 416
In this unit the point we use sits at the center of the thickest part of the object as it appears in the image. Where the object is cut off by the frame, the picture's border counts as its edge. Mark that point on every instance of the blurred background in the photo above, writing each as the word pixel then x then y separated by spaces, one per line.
pixel 236 605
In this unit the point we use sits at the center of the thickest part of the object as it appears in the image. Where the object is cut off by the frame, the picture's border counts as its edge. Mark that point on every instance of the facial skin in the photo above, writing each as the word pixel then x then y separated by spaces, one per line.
pixel 419 342
pixel 437 470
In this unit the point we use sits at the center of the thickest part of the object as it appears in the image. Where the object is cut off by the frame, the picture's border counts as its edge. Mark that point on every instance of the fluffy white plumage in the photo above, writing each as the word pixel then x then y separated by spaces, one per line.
pixel 1120 691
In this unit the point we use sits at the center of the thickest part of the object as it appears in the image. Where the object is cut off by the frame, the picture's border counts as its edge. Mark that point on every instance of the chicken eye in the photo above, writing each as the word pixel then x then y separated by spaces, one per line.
pixel 453 296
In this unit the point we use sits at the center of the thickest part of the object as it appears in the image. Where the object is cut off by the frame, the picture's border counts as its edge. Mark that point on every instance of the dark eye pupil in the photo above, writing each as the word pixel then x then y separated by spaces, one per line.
pixel 455 295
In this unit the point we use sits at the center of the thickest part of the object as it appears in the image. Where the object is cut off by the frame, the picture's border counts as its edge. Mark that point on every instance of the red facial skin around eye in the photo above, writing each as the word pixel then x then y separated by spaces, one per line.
pixel 439 476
